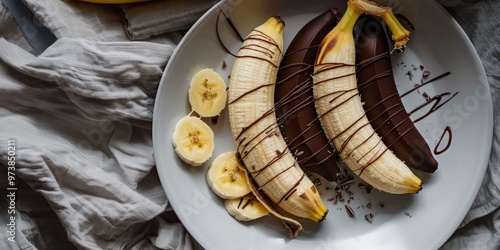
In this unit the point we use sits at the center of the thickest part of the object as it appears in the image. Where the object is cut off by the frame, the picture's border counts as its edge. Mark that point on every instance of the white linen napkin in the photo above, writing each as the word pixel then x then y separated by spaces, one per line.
pixel 80 115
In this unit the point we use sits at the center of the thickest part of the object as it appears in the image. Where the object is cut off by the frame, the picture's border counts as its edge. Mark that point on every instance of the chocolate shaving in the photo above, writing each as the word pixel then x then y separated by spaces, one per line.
pixel 349 211
pixel 369 217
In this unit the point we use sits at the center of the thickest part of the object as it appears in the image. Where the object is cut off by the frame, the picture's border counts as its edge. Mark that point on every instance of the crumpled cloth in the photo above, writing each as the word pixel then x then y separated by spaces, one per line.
pixel 80 115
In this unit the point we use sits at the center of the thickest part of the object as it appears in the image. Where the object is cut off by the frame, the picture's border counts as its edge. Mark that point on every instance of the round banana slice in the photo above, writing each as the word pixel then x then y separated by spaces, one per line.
pixel 207 93
pixel 246 208
pixel 193 140
pixel 226 178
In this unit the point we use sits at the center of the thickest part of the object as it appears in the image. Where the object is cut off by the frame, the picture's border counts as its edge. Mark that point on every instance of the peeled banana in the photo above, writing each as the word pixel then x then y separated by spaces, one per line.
pixel 226 177
pixel 207 93
pixel 340 109
pixel 254 127
pixel 193 140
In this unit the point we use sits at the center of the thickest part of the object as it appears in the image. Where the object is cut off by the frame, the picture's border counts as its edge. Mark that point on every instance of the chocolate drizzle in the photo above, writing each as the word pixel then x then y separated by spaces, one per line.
pixel 447 131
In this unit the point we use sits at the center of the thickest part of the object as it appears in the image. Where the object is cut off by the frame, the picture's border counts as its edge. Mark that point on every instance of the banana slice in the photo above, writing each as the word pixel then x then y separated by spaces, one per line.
pixel 226 177
pixel 207 93
pixel 193 140
pixel 246 208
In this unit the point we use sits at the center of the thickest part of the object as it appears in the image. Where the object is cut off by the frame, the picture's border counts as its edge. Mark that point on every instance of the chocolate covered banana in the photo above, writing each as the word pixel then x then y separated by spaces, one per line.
pixel 381 99
pixel 294 99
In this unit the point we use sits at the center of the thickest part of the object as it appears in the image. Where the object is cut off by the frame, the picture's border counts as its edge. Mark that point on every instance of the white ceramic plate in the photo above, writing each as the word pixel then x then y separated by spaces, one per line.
pixel 422 221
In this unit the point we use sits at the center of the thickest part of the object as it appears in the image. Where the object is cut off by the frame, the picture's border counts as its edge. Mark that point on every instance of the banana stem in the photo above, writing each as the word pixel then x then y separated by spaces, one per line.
pixel 355 8
pixel 400 35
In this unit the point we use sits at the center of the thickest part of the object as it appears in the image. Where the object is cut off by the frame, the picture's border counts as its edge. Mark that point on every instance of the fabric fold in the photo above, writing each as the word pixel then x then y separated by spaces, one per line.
pixel 157 17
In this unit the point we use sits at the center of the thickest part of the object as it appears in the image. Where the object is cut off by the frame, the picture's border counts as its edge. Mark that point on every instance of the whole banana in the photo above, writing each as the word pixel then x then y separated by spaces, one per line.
pixel 254 126
pixel 340 109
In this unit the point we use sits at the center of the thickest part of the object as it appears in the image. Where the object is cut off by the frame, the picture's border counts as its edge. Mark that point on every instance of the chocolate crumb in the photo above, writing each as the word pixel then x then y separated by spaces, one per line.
pixel 426 96
pixel 421 67
pixel 215 119
pixel 224 64
pixel 408 214
pixel 349 211
pixel 426 73
pixel 369 205
pixel 369 189
pixel 317 182
pixel 382 205
pixel 416 85
pixel 369 217
pixel 409 74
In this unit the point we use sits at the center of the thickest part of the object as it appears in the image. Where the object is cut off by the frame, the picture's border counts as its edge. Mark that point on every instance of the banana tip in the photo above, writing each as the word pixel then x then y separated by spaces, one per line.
pixel 324 216
pixel 320 215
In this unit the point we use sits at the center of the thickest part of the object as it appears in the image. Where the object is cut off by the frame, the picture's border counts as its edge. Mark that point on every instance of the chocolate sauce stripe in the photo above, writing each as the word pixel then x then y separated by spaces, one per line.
pixel 298 92
pixel 260 58
pixel 401 135
pixel 246 203
pixel 369 61
pixel 349 138
pixel 330 66
pixel 339 92
pixel 218 34
pixel 401 109
pixel 249 92
pixel 374 160
pixel 425 83
pixel 447 130
pixel 272 161
pixel 327 145
pixel 376 77
pixel 264 37
pixel 292 190
pixel 295 109
pixel 241 201
pixel 271 130
pixel 258 48
pixel 436 106
pixel 337 106
pixel 300 50
pixel 304 68
pixel 380 145
pixel 274 177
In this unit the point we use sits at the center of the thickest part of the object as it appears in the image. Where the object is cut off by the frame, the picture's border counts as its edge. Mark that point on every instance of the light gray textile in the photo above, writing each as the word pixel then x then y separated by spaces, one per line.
pixel 157 17
pixel 81 112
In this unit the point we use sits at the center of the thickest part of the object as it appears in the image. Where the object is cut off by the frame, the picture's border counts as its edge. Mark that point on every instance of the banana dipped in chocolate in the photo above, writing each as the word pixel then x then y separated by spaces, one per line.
pixel 382 101
pixel 294 99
